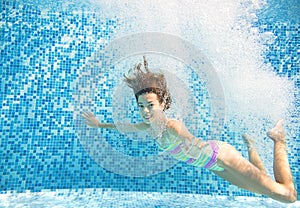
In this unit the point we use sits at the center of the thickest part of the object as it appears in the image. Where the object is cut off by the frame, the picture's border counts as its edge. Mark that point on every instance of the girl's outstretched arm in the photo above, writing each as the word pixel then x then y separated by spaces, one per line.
pixel 91 120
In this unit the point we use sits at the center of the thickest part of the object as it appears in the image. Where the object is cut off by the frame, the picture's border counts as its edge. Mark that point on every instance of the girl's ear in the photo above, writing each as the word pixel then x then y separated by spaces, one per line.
pixel 163 105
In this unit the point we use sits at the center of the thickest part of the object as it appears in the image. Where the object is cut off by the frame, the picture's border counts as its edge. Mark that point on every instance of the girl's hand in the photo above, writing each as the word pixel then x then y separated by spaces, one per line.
pixel 90 120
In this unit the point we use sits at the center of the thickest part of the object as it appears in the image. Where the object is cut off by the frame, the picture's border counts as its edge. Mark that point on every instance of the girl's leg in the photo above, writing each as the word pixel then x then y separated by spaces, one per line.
pixel 253 154
pixel 282 171
pixel 244 174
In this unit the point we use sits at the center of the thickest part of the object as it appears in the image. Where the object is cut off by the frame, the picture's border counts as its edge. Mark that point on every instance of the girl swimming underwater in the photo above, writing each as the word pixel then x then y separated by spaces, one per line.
pixel 153 98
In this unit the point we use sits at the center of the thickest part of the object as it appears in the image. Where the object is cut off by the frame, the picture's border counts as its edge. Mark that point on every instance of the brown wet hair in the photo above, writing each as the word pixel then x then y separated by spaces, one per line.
pixel 146 81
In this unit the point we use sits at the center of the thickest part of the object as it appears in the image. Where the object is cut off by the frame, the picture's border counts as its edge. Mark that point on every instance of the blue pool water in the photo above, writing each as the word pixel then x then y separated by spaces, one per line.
pixel 48 55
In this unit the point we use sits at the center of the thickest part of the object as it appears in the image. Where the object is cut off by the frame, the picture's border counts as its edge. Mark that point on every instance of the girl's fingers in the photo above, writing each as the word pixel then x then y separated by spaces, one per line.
pixel 87 114
pixel 82 115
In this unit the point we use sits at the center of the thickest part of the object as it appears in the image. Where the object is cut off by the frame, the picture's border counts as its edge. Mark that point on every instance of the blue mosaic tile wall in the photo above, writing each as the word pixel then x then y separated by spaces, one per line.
pixel 284 55
pixel 39 146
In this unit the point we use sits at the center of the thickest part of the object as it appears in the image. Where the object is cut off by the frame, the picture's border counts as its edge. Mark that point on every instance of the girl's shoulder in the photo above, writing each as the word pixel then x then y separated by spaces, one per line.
pixel 173 124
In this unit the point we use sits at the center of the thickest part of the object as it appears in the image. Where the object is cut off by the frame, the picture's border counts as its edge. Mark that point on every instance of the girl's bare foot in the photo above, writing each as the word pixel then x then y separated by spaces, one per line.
pixel 249 141
pixel 277 132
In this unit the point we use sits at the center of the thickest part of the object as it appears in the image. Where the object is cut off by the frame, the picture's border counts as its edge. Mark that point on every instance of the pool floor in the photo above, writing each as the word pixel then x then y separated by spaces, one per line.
pixel 107 198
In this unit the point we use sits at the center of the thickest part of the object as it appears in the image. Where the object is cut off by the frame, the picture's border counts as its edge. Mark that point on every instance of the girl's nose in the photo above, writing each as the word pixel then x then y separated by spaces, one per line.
pixel 146 110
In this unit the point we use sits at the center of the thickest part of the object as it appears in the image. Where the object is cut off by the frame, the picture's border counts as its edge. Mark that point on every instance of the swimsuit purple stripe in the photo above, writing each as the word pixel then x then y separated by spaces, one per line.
pixel 191 160
pixel 213 159
pixel 176 150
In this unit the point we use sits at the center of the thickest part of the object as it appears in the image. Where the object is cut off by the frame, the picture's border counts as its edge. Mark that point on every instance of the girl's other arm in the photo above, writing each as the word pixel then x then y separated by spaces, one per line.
pixel 179 130
pixel 91 120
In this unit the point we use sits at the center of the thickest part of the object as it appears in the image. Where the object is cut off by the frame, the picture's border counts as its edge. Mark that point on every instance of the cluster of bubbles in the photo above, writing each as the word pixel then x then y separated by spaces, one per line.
pixel 251 96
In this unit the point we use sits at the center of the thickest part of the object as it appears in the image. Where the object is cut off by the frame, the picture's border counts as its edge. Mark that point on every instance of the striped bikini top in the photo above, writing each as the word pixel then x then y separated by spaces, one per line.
pixel 203 160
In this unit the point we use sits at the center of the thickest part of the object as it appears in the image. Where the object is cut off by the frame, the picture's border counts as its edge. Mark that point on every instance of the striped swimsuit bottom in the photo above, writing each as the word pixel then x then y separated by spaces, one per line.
pixel 207 158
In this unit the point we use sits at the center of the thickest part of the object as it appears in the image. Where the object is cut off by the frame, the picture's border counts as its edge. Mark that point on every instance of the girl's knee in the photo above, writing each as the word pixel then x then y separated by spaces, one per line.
pixel 292 197
pixel 289 196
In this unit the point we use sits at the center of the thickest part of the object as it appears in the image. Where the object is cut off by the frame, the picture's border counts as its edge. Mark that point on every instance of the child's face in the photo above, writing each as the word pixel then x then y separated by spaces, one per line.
pixel 149 107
